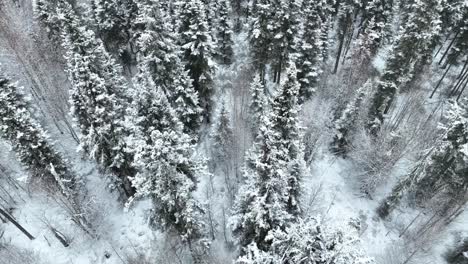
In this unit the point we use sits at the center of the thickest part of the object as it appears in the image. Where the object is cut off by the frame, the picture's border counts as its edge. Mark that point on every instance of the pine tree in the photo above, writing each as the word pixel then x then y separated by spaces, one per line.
pixel 411 50
pixel 347 122
pixel 98 97
pixel 224 33
pixel 311 49
pixel 442 170
pixel 197 46
pixel 160 54
pixel 285 120
pixel 33 149
pixel 163 154
pixel 258 102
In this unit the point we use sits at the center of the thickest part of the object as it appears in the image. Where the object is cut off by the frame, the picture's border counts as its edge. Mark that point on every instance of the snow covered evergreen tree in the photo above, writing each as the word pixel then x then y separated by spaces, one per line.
pixel 224 33
pixel 160 55
pixel 308 242
pixel 98 97
pixel 442 171
pixel 45 11
pixel 276 161
pixel 413 49
pixel 285 25
pixel 223 137
pixel 167 171
pixel 258 102
pixel 33 149
pixel 347 10
pixel 374 30
pixel 285 120
pixel 29 140
pixel 347 122
pixel 261 204
pixel 197 47
pixel 114 21
pixel 260 35
pixel 311 47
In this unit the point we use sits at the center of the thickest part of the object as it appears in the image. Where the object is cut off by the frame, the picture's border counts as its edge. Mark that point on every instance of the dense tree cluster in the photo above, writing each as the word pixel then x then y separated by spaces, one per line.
pixel 157 84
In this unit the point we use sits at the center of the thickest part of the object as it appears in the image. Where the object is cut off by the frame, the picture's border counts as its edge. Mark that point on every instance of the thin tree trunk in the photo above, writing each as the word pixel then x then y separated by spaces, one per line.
pixel 449 47
pixel 13 221
pixel 440 81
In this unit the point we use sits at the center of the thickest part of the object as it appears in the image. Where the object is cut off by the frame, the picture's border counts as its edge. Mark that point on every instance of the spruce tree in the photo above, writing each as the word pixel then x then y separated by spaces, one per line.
pixel 33 149
pixel 98 97
pixel 167 172
pixel 45 11
pixel 285 25
pixel 160 54
pixel 114 20
pixel 310 242
pixel 285 120
pixel 411 50
pixel 258 102
pixel 29 140
pixel 346 124
pixel 223 137
pixel 261 204
pixel 311 48
pixel 224 33
pixel 197 47
pixel 347 10
pixel 375 28
pixel 276 161
pixel 260 36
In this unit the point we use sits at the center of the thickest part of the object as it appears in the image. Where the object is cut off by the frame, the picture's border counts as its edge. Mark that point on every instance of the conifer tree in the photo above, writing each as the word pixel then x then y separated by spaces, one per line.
pixel 285 120
pixel 442 170
pixel 224 33
pixel 285 25
pixel 160 54
pixel 276 161
pixel 347 9
pixel 261 204
pixel 311 48
pixel 33 149
pixel 309 242
pixel 98 97
pixel 197 47
pixel 258 102
pixel 377 18
pixel 45 11
pixel 114 20
pixel 260 35
pixel 167 172
pixel 29 140
pixel 347 122
pixel 223 137
pixel 411 50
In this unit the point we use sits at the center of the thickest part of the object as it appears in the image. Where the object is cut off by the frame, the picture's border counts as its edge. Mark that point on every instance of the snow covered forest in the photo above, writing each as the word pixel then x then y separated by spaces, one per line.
pixel 233 131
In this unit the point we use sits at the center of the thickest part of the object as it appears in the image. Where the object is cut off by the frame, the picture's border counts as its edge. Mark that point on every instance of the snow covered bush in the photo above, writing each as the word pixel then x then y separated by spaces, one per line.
pixel 309 242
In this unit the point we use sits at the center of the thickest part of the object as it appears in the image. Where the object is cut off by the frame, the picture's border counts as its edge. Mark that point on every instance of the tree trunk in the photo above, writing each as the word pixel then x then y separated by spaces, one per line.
pixel 13 221
pixel 440 81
